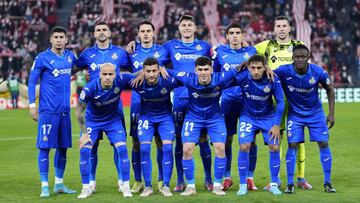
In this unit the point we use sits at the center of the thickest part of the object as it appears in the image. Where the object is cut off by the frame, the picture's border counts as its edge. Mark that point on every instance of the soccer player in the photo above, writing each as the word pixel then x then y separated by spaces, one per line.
pixel 258 114
pixel 155 116
pixel 229 57
pixel 53 67
pixel 100 98
pixel 204 113
pixel 278 52
pixel 146 48
pixel 182 53
pixel 300 82
pixel 91 58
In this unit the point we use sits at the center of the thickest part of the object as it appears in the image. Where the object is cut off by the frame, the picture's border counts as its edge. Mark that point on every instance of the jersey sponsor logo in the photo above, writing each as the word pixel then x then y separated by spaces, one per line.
pixel 186 133
pixel 256 97
pixel 56 73
pixel 242 135
pixel 140 132
pixel 45 138
pixel 93 66
pixel 195 95
pixel 156 55
pixel 107 102
pixel 198 47
pixel 136 64
pixel 226 66
pixel 267 89
pixel 312 81
pixel 164 90
pixel 179 56
pixel 82 95
pixel 289 134
pixel 114 56
pixel 206 95
pixel 180 74
pixel 116 90
pixel 69 59
pixel 301 90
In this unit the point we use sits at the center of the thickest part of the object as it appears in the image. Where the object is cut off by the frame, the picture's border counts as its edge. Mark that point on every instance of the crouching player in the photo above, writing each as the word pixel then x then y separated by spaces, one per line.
pixel 258 114
pixel 204 112
pixel 300 82
pixel 156 116
pixel 101 98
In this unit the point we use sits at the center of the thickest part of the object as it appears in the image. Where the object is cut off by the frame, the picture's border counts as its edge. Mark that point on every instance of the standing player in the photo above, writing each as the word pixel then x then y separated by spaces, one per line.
pixel 155 116
pixel 278 52
pixel 258 114
pixel 100 98
pixel 182 54
pixel 146 48
pixel 91 58
pixel 204 113
pixel 300 82
pixel 53 67
pixel 229 57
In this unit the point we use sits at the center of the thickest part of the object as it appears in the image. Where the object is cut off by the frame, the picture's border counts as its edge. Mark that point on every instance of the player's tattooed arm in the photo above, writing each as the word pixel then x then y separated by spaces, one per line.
pixel 80 115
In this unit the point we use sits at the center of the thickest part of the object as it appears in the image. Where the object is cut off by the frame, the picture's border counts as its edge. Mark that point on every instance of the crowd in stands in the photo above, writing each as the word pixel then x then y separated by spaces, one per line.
pixel 335 28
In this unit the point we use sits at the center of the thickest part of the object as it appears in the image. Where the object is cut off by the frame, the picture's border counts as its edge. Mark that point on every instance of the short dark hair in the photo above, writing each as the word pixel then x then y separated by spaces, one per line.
pixel 282 18
pixel 203 61
pixel 58 29
pixel 301 46
pixel 187 17
pixel 257 58
pixel 150 61
pixel 101 23
pixel 233 25
pixel 146 22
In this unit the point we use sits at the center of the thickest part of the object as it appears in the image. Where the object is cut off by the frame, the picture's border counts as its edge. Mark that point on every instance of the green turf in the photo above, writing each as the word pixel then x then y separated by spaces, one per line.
pixel 19 179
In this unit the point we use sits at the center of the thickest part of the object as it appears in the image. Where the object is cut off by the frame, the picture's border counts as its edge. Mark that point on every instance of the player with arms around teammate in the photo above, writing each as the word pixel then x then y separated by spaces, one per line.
pixel 145 49
pixel 300 82
pixel 258 114
pixel 91 59
pixel 204 113
pixel 100 98
pixel 229 57
pixel 155 117
pixel 53 67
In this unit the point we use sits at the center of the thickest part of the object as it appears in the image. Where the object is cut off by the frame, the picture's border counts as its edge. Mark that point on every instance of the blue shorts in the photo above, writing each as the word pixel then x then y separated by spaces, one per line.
pixel 149 125
pixel 134 117
pixel 317 126
pixel 192 128
pixel 249 127
pixel 231 112
pixel 54 130
pixel 179 112
pixel 112 128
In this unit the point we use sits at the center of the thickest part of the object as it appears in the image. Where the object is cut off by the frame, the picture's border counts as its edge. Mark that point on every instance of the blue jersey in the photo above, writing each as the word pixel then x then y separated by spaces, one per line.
pixel 91 58
pixel 228 58
pixel 54 72
pixel 301 91
pixel 204 100
pixel 183 56
pixel 155 99
pixel 103 104
pixel 138 57
pixel 257 97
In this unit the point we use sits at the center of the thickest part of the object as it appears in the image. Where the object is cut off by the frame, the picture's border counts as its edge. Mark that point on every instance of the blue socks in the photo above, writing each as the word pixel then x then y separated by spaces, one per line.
pixel 326 162
pixel 167 163
pixel 274 165
pixel 60 162
pixel 159 158
pixel 124 162
pixel 146 164
pixel 219 169
pixel 135 156
pixel 85 165
pixel 205 153
pixel 189 170
pixel 43 163
pixel 252 160
pixel 228 154
pixel 94 160
pixel 178 160
pixel 290 164
pixel 243 166
pixel 117 164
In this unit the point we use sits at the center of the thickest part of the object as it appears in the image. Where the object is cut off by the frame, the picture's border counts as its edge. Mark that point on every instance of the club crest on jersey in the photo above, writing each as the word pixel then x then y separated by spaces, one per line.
pixel 156 55
pixel 136 64
pixel 164 90
pixel 267 89
pixel 198 47
pixel 177 56
pixel 312 81
pixel 69 59
pixel 116 90
pixel 93 66
pixel 45 138
pixel 114 56
pixel 56 73
pixel 246 55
